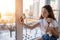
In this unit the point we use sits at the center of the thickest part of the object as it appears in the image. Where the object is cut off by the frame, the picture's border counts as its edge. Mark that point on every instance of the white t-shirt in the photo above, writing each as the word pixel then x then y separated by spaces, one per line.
pixel 43 24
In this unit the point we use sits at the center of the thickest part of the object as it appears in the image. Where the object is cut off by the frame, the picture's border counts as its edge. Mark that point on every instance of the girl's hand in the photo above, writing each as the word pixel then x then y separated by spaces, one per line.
pixel 48 29
pixel 21 20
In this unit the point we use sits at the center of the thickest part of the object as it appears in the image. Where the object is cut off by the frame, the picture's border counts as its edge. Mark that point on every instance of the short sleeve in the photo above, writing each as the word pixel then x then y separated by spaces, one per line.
pixel 55 23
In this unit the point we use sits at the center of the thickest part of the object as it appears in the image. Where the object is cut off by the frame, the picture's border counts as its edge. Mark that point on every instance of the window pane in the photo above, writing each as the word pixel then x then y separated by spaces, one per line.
pixel 31 12
pixel 54 5
pixel 7 19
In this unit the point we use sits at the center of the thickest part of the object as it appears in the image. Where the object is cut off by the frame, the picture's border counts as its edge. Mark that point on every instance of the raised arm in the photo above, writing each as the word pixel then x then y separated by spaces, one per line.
pixel 25 25
pixel 32 27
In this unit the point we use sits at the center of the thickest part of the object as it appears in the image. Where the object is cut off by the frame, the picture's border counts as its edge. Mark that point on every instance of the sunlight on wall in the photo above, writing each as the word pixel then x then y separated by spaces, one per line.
pixel 7 6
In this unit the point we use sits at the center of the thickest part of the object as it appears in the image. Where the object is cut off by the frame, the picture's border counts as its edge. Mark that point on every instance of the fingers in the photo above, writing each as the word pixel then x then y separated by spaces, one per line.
pixel 49 29
pixel 21 20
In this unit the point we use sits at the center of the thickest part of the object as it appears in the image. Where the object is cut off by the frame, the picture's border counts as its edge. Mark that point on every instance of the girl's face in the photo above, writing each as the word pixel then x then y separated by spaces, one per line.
pixel 44 13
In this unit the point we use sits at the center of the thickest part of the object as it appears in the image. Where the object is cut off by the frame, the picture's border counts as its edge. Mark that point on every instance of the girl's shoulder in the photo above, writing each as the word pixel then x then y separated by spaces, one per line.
pixel 55 23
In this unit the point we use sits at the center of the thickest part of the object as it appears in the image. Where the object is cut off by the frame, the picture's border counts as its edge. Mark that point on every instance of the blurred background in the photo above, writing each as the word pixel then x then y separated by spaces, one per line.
pixel 7 19
pixel 31 14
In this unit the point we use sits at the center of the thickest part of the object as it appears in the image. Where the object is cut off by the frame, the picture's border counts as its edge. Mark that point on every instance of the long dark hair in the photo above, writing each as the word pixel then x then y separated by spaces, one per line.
pixel 50 11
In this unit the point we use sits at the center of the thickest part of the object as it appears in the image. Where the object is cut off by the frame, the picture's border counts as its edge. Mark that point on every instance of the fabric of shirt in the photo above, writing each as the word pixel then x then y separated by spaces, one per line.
pixel 43 24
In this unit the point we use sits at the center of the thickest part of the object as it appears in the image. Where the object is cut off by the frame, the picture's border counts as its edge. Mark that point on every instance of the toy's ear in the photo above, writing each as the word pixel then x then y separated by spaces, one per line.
pixel 49 20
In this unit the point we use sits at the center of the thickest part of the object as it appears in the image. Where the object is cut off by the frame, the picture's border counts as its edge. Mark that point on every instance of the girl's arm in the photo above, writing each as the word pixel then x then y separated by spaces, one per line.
pixel 32 27
pixel 55 32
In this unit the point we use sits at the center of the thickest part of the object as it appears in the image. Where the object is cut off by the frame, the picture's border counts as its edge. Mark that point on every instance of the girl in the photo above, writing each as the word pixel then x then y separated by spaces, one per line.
pixel 47 24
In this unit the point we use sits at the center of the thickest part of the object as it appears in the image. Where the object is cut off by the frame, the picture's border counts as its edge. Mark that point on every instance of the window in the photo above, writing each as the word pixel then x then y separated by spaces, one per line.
pixel 31 12
pixel 54 5
pixel 7 19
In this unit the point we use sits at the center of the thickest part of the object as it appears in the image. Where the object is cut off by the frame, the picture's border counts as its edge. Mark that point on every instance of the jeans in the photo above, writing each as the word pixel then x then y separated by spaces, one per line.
pixel 47 37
